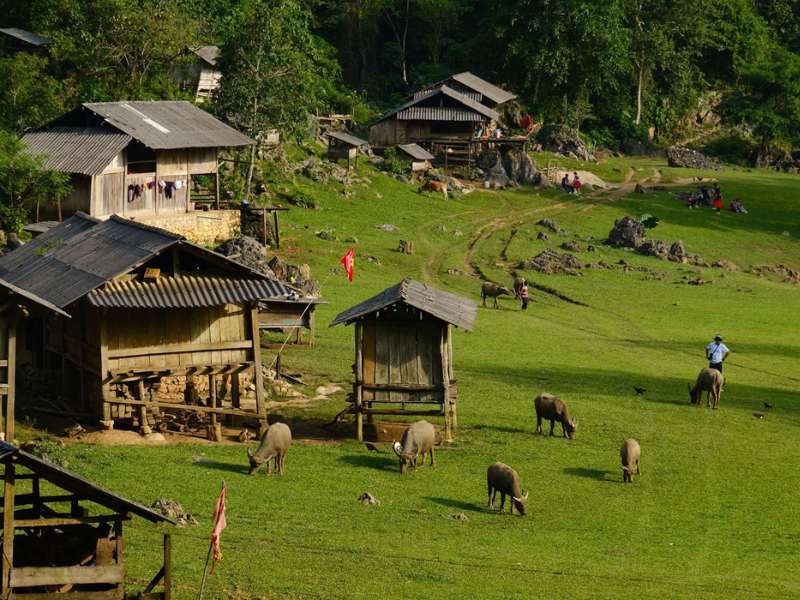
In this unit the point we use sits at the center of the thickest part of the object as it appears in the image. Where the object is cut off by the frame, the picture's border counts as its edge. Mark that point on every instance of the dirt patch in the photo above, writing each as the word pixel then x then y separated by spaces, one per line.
pixel 324 391
pixel 725 266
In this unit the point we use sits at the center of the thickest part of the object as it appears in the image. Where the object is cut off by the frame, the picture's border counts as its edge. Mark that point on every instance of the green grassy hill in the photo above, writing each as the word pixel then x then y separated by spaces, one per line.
pixel 712 516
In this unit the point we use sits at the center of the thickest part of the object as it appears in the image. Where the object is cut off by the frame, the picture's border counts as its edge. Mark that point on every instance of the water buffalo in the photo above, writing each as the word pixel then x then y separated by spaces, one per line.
pixel 711 381
pixel 493 290
pixel 275 443
pixel 630 453
pixel 433 186
pixel 551 408
pixel 502 478
pixel 419 438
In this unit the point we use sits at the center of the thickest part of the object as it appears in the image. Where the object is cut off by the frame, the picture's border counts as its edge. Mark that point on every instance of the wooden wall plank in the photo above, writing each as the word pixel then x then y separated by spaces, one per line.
pixel 382 358
pixel 156 334
pixel 369 356
pixel 36 576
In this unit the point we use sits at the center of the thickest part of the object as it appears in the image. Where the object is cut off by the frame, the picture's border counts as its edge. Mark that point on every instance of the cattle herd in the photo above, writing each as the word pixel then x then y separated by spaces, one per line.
pixel 420 437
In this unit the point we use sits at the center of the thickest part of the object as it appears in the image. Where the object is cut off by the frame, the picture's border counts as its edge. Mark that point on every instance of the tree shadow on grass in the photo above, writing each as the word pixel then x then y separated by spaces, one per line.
pixel 457 504
pixel 597 474
pixel 371 461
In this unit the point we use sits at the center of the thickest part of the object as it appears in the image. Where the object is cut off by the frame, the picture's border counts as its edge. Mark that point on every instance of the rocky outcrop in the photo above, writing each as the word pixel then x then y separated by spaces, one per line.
pixel 551 225
pixel 551 262
pixel 689 159
pixel 627 232
pixel 247 251
pixel 507 166
pixel 565 141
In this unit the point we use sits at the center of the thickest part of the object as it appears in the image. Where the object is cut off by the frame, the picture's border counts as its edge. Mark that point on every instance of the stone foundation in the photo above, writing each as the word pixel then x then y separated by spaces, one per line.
pixel 200 227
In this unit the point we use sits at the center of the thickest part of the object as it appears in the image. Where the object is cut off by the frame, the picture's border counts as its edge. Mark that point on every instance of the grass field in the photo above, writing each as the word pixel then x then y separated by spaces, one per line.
pixel 714 514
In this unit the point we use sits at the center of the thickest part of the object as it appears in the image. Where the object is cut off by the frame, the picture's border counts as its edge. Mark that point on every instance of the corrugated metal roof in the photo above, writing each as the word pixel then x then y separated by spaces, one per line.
pixel 442 305
pixel 436 113
pixel 484 87
pixel 82 254
pixel 207 53
pixel 74 483
pixel 169 125
pixel 464 115
pixel 478 97
pixel 84 150
pixel 26 36
pixel 187 291
pixel 346 138
pixel 415 151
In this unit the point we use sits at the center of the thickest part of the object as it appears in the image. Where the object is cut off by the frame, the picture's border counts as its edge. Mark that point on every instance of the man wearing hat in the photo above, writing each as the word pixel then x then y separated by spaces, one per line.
pixel 716 353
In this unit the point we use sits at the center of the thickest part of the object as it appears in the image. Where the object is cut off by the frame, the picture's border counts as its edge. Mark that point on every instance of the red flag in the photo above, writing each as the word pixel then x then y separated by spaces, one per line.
pixel 219 525
pixel 347 261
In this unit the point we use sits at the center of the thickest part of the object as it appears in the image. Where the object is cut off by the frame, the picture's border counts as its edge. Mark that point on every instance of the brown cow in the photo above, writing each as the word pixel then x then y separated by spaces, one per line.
pixel 433 186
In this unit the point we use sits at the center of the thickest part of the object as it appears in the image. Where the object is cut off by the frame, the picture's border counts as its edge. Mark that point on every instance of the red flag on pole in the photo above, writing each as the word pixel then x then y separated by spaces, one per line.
pixel 219 525
pixel 347 261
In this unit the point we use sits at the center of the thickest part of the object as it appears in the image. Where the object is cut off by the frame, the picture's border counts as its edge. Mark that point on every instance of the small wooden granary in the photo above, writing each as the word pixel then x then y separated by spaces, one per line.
pixel 404 352
pixel 138 306
pixel 343 145
pixel 197 71
pixel 420 158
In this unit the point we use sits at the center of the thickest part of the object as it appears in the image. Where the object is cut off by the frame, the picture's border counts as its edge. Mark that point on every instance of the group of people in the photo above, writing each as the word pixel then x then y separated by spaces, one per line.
pixel 712 197
pixel 571 187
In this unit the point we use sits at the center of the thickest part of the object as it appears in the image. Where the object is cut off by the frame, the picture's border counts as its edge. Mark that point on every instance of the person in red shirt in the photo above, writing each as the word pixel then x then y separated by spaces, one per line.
pixel 576 184
pixel 718 204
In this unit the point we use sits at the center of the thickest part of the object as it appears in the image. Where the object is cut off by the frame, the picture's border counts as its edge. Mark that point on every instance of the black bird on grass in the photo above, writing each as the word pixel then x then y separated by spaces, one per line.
pixel 371 447
pixel 767 405
pixel 639 391
pixel 758 415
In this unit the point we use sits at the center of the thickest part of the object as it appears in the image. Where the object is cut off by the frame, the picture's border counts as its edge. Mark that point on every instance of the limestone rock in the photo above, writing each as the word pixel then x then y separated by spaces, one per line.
pixel 565 141
pixel 552 262
pixel 689 159
pixel 627 232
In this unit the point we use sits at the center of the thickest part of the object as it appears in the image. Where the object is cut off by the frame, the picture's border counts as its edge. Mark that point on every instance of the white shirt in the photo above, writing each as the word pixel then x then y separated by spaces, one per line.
pixel 717 351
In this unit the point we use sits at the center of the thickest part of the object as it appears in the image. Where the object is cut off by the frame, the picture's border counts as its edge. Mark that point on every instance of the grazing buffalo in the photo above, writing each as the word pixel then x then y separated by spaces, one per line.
pixel 711 381
pixel 433 186
pixel 551 408
pixel 276 443
pixel 502 478
pixel 419 438
pixel 493 290
pixel 630 453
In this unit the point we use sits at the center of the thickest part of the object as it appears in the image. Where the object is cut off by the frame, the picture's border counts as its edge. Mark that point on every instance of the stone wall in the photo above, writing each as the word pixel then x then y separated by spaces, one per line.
pixel 201 227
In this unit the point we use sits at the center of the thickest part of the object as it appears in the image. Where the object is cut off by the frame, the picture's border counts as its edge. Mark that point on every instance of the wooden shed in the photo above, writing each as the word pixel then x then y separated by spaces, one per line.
pixel 404 352
pixel 343 145
pixel 198 71
pixel 419 157
pixel 154 320
pixel 63 534
pixel 132 158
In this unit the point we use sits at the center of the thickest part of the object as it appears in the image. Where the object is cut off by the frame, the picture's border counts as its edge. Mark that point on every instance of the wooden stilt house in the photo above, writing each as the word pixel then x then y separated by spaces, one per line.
pixel 51 542
pixel 404 352
pixel 151 316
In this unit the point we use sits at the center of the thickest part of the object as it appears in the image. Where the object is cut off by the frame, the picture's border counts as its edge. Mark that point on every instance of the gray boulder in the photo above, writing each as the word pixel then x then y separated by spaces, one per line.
pixel 689 159
pixel 627 232
pixel 565 141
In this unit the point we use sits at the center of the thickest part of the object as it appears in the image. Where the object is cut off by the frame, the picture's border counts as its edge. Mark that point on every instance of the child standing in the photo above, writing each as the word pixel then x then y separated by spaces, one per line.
pixel 718 204
pixel 523 292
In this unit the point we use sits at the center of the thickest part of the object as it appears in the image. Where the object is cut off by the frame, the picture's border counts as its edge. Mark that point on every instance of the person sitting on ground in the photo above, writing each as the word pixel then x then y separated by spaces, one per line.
pixel 737 207
pixel 705 196
pixel 565 184
pixel 692 202
pixel 576 184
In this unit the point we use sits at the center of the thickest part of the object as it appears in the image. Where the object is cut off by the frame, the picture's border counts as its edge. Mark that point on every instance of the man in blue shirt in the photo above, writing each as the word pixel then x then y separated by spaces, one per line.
pixel 716 352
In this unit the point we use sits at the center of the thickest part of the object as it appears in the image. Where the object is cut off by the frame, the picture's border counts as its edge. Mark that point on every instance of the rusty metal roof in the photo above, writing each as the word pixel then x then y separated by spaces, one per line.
pixel 187 291
pixel 346 138
pixel 74 483
pixel 415 151
pixel 84 150
pixel 470 109
pixel 442 305
pixel 26 36
pixel 207 53
pixel 167 125
pixel 82 254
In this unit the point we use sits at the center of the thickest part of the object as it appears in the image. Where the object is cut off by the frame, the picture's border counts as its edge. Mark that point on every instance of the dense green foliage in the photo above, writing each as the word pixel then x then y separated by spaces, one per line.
pixel 613 69
pixel 710 516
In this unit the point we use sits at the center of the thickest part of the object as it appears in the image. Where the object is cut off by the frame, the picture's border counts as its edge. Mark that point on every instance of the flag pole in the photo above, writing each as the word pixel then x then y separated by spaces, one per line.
pixel 305 310
pixel 205 571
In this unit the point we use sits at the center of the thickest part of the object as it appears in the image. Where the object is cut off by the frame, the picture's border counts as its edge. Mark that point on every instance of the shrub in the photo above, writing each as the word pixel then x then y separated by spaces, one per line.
pixel 393 164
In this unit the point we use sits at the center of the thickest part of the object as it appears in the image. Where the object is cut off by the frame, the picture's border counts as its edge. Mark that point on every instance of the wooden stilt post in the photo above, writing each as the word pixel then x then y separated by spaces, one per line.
pixel 277 231
pixel 216 183
pixel 215 430
pixel 8 526
pixel 11 382
pixel 167 566
pixel 359 381
pixel 235 391
pixel 446 386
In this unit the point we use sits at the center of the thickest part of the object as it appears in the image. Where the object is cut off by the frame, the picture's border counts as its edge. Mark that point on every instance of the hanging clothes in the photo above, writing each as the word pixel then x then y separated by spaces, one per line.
pixel 137 191
pixel 179 184
pixel 130 193
pixel 168 187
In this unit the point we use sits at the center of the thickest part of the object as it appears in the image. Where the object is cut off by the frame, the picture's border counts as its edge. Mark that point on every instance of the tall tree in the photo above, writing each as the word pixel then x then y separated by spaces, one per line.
pixel 24 180
pixel 29 96
pixel 274 71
